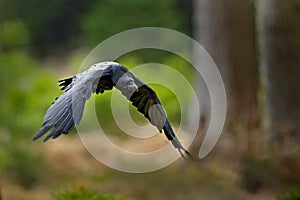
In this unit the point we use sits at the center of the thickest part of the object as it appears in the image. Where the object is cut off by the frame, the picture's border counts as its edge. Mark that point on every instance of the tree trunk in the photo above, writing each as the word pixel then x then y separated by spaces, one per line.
pixel 279 32
pixel 226 30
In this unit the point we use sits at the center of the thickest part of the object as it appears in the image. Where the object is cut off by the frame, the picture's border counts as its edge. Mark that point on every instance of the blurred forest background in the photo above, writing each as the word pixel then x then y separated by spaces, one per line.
pixel 255 44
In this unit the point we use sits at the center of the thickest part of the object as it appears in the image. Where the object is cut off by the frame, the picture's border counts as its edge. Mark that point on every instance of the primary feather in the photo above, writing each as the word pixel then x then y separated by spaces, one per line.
pixel 67 110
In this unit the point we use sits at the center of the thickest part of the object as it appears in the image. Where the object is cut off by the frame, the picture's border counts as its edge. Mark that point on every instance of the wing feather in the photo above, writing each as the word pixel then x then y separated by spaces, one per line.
pixel 66 83
pixel 65 112
pixel 146 101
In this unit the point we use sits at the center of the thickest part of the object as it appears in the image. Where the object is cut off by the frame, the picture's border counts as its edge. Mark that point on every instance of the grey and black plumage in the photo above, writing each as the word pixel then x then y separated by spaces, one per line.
pixel 67 110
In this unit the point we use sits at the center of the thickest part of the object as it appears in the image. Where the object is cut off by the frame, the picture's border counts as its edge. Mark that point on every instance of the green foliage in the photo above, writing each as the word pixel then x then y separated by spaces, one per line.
pixel 25 90
pixel 291 195
pixel 83 194
pixel 108 17
pixel 49 22
pixel 24 87
pixel 66 23
pixel 20 164
pixel 13 34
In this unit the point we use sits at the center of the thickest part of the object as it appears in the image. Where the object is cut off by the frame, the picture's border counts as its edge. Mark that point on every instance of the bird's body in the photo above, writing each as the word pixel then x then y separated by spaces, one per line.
pixel 67 110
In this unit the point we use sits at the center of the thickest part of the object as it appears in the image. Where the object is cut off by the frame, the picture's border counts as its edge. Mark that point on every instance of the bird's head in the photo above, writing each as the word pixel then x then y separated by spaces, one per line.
pixel 126 82
pixel 104 66
pixel 120 76
pixel 123 80
pixel 126 85
pixel 108 68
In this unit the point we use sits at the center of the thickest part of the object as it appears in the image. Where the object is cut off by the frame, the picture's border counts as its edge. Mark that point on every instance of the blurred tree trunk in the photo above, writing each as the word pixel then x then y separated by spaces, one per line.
pixel 279 32
pixel 226 30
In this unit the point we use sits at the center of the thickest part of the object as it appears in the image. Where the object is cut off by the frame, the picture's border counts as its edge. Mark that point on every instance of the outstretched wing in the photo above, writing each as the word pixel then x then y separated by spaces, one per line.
pixel 147 102
pixel 66 110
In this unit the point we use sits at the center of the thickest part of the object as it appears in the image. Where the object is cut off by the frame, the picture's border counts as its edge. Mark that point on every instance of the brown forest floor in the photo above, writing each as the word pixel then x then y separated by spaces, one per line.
pixel 70 165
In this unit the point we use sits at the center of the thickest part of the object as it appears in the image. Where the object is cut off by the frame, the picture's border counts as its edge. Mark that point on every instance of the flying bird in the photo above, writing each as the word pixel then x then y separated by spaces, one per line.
pixel 67 110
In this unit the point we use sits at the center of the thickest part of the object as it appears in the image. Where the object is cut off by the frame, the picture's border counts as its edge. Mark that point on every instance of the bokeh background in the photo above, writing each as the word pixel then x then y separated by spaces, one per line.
pixel 256 46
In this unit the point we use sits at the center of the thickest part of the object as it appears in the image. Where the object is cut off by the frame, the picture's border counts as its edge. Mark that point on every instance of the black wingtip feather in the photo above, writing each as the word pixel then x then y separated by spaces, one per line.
pixel 172 137
pixel 182 150
pixel 65 82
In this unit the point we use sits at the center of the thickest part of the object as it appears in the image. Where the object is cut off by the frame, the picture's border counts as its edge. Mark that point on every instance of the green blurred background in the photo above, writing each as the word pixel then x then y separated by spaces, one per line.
pixel 256 46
